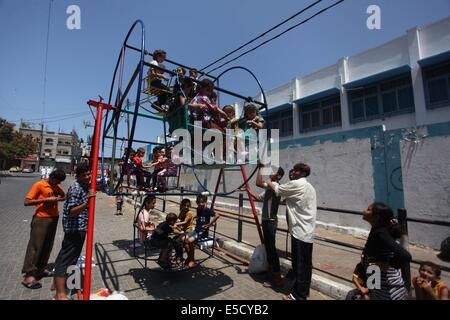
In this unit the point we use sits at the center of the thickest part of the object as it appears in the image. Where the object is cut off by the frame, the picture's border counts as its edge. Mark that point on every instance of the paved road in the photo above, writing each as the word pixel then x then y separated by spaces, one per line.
pixel 118 269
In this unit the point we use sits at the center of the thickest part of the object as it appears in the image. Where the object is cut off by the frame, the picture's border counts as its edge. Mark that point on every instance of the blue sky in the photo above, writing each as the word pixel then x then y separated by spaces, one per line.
pixel 195 33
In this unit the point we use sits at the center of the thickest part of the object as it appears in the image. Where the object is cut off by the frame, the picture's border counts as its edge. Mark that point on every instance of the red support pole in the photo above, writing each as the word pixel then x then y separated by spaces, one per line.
pixel 252 204
pixel 90 229
pixel 217 188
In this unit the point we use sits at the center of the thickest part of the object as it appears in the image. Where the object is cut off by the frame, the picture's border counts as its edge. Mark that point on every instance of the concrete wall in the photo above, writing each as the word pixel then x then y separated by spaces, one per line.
pixel 342 175
pixel 405 168
pixel 426 182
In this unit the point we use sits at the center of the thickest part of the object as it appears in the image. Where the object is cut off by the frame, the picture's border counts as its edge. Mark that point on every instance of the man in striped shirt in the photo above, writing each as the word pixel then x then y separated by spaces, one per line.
pixel 75 218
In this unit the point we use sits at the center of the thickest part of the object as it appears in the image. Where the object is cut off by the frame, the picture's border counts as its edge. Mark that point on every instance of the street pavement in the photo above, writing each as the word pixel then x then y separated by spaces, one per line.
pixel 219 278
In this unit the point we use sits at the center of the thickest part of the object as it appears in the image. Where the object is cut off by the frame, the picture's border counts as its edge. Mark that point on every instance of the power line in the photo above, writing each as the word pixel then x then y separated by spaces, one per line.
pixel 262 34
pixel 50 117
pixel 63 119
pixel 279 35
pixel 55 120
pixel 46 56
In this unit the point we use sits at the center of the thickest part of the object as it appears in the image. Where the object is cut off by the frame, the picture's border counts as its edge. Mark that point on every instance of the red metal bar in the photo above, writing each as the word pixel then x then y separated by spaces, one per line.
pixel 90 229
pixel 98 104
pixel 252 204
pixel 216 189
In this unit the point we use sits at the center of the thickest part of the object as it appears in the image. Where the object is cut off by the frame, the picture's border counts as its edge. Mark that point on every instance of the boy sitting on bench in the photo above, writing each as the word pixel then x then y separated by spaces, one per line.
pixel 206 217
pixel 160 238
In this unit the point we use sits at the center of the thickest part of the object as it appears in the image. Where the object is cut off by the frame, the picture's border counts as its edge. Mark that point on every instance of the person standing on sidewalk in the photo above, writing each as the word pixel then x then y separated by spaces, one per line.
pixel 301 205
pixel 271 203
pixel 383 251
pixel 45 195
pixel 75 219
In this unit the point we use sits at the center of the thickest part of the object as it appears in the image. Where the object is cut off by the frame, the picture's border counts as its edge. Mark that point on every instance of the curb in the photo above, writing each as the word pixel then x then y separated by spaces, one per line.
pixel 324 285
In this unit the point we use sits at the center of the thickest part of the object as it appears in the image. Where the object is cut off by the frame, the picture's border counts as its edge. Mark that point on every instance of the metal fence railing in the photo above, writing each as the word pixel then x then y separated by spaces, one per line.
pixel 242 219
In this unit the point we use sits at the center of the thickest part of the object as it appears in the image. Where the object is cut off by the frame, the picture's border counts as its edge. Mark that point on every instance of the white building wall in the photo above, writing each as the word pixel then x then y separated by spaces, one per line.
pixel 414 49
pixel 435 38
pixel 280 95
pixel 345 113
pixel 388 56
pixel 424 43
pixel 319 81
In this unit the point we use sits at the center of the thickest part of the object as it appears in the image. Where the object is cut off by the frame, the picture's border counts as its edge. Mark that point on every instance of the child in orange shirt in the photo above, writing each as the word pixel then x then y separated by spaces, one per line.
pixel 428 284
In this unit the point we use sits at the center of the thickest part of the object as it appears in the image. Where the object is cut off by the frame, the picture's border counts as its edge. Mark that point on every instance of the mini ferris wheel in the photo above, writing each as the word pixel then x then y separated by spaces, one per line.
pixel 122 118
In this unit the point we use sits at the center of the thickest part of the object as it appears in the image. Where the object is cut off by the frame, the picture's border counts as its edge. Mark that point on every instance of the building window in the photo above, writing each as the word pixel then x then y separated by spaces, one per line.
pixel 437 85
pixel 283 121
pixel 387 98
pixel 321 114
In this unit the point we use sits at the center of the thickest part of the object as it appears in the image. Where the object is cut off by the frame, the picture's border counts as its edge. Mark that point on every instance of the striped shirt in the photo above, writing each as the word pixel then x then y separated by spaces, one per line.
pixel 76 196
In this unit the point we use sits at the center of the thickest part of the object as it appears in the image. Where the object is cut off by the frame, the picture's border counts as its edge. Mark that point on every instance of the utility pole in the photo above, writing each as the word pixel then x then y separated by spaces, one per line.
pixel 38 162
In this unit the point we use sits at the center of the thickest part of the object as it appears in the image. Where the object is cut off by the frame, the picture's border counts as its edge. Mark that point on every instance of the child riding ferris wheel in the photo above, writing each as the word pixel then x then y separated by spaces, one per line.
pixel 188 109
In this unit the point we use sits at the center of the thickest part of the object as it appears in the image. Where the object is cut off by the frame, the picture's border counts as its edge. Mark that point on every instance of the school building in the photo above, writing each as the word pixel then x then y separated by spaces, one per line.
pixel 373 126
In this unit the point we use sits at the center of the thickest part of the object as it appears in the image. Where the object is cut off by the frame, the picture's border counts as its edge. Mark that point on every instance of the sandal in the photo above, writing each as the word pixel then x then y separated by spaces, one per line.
pixel 46 273
pixel 32 285
pixel 290 297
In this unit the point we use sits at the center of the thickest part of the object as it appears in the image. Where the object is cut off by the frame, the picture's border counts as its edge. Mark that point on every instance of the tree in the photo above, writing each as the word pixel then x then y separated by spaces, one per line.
pixel 13 144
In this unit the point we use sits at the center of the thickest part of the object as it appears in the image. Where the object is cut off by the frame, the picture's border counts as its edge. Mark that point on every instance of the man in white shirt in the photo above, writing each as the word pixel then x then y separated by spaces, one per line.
pixel 301 205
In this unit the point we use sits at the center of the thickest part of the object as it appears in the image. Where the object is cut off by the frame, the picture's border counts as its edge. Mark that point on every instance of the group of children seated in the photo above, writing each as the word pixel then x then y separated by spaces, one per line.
pixel 200 99
pixel 177 233
pixel 162 165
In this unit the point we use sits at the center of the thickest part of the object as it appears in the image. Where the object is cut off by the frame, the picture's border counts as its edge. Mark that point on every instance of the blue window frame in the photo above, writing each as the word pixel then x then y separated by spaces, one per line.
pixel 283 121
pixel 384 99
pixel 437 85
pixel 321 114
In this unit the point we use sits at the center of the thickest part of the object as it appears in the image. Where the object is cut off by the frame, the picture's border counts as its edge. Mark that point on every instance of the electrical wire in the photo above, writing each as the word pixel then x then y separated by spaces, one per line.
pixel 279 35
pixel 51 117
pixel 67 118
pixel 46 56
pixel 262 34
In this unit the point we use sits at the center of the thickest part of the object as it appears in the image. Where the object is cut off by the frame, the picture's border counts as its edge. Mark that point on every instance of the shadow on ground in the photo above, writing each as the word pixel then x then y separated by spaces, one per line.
pixel 106 266
pixel 198 283
pixel 261 278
